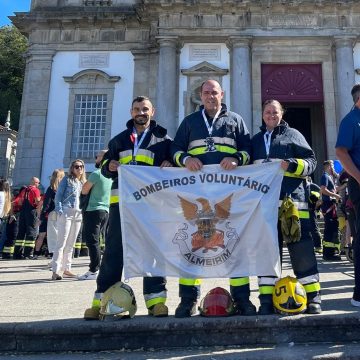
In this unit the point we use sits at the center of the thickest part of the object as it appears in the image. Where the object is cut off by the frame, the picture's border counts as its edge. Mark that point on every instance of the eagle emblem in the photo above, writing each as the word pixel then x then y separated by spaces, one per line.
pixel 207 237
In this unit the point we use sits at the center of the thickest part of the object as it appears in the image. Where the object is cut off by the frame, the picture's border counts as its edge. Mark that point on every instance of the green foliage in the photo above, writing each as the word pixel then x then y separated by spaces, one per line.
pixel 13 45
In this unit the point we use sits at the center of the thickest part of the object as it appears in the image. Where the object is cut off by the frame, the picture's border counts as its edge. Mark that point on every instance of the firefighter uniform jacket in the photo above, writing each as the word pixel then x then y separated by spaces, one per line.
pixel 154 149
pixel 290 145
pixel 230 137
pixel 287 144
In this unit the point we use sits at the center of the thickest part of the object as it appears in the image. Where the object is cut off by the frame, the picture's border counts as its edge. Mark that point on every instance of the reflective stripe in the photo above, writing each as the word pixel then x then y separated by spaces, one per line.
pixel 29 243
pixel 104 162
pixel 177 158
pixel 328 244
pixel 315 287
pixel 266 289
pixel 161 294
pixel 189 282
pixel 125 159
pixel 154 301
pixel 114 199
pixel 144 159
pixel 124 154
pixel 8 249
pixel 300 205
pixel 221 148
pixel 19 242
pixel 309 279
pixel 286 173
pixel 239 281
pixel 96 303
pixel 304 214
pixel 77 245
pixel 217 141
pixel 245 157
pixel 300 167
pixel 315 193
pixel 266 280
pixel 155 298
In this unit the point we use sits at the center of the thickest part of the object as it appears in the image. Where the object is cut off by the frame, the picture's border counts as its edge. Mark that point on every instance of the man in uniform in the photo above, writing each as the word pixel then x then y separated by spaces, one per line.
pixel 348 152
pixel 212 135
pixel 331 243
pixel 146 143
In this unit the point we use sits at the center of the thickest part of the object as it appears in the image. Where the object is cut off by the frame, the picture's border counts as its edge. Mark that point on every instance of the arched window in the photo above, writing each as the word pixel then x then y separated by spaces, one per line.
pixel 91 96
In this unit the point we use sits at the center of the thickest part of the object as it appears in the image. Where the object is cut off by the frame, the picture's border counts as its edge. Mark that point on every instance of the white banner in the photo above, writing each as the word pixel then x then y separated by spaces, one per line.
pixel 205 224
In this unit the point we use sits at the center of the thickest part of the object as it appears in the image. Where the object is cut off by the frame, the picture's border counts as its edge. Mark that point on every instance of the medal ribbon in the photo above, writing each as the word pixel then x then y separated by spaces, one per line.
pixel 267 141
pixel 210 128
pixel 137 143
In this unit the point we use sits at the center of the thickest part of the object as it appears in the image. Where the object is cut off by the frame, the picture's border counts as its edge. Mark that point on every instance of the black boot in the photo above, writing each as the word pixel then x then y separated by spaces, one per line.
pixel 266 309
pixel 245 307
pixel 186 308
pixel 266 304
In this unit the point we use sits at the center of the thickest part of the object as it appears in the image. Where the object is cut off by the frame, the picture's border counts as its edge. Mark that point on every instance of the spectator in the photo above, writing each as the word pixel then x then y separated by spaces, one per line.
pixel 48 215
pixel 69 219
pixel 95 216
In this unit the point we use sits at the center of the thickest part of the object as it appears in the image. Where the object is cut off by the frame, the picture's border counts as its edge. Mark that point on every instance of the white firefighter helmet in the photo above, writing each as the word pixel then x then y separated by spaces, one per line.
pixel 119 300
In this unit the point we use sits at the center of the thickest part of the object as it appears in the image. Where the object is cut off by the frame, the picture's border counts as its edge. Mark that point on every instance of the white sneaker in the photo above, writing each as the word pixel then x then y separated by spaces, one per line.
pixel 355 303
pixel 89 276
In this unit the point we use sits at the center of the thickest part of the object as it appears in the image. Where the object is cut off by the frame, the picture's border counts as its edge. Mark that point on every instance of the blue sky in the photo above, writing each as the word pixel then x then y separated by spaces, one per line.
pixel 8 7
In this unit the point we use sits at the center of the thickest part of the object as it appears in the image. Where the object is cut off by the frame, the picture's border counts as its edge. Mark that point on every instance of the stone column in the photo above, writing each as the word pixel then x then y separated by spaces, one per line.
pixel 33 115
pixel 240 75
pixel 345 74
pixel 141 72
pixel 167 84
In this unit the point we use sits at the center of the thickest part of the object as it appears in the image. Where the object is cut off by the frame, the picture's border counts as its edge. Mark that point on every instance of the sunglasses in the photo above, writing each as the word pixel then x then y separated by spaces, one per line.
pixel 77 167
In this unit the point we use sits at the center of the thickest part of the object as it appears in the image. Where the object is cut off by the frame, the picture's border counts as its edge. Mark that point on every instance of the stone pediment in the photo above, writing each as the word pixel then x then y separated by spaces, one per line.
pixel 204 68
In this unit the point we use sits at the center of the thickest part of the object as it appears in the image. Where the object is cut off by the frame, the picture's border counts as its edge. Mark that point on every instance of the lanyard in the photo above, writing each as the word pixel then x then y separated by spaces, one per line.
pixel 137 143
pixel 267 141
pixel 210 128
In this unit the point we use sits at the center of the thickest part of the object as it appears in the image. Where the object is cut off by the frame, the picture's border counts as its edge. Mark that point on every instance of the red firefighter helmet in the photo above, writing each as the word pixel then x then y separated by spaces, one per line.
pixel 217 302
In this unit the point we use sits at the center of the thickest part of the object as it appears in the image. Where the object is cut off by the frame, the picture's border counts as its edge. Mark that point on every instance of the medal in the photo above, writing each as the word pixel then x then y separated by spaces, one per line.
pixel 209 141
pixel 210 144
pixel 137 144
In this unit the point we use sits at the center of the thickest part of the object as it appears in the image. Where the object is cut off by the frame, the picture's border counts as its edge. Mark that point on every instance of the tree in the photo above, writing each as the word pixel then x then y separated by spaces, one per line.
pixel 12 68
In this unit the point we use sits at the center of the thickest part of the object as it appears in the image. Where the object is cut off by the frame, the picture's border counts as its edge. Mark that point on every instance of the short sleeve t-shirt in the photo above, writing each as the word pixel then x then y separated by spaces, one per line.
pixel 100 192
pixel 349 135
pixel 328 182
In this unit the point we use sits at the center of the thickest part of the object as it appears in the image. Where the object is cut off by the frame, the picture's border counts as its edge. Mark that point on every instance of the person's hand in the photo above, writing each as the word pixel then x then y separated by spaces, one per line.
pixel 193 164
pixel 166 163
pixel 284 165
pixel 229 163
pixel 113 165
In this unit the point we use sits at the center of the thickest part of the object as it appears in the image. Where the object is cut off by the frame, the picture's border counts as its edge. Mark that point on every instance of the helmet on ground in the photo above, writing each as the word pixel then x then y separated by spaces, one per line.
pixel 217 302
pixel 119 300
pixel 289 296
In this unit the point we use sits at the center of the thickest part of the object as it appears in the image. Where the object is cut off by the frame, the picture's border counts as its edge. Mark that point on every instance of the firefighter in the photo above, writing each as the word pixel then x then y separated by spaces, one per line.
pixel 28 219
pixel 314 205
pixel 212 135
pixel 277 140
pixel 330 198
pixel 145 143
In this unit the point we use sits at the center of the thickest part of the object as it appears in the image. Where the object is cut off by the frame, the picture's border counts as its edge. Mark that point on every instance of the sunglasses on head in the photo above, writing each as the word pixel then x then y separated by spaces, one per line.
pixel 78 167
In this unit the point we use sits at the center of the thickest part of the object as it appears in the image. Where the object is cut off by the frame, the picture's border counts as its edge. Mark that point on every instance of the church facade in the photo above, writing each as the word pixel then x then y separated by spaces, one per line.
pixel 88 58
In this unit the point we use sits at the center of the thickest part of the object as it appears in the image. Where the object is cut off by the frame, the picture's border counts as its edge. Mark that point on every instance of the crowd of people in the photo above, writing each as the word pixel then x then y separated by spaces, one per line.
pixel 211 135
